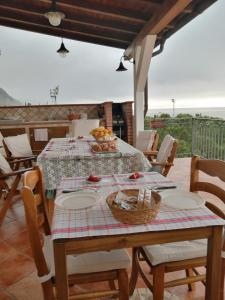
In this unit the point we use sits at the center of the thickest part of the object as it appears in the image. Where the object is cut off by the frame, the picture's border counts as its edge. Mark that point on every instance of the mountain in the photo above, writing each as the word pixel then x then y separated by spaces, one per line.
pixel 7 100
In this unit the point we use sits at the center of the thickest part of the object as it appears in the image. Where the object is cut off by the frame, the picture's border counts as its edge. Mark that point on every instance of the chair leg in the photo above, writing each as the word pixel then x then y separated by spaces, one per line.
pixel 123 285
pixel 158 282
pixel 6 205
pixel 191 286
pixel 134 271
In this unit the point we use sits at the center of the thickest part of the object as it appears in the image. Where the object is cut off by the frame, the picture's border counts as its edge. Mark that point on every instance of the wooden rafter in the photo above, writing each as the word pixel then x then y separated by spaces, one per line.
pixel 62 33
pixel 169 10
pixel 67 25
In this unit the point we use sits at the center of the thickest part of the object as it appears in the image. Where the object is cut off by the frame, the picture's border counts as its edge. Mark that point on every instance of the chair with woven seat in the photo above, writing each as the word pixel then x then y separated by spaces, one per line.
pixel 147 141
pixel 9 183
pixel 83 268
pixel 82 127
pixel 187 255
pixel 165 156
pixel 17 147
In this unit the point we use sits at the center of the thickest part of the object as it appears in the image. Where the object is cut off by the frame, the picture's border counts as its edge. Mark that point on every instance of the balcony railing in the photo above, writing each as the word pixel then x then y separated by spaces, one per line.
pixel 200 136
pixel 208 138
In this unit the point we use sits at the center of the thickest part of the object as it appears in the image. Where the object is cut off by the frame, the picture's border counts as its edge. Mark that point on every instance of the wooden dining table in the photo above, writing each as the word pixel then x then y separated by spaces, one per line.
pixel 72 233
pixel 65 157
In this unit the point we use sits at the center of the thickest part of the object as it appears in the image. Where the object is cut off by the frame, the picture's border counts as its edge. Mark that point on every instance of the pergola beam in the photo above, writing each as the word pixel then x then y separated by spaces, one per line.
pixel 18 10
pixel 62 33
pixel 169 10
pixel 68 26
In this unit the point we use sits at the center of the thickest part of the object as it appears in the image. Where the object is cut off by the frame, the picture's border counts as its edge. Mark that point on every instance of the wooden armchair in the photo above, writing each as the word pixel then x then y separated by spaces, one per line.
pixel 147 141
pixel 17 147
pixel 162 160
pixel 188 255
pixel 10 178
pixel 84 268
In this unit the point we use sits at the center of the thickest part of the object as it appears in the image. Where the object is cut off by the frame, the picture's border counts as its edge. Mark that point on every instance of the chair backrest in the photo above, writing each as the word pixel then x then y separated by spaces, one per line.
pixel 82 127
pixel 4 169
pixel 19 145
pixel 167 149
pixel 147 140
pixel 36 216
pixel 2 150
pixel 212 168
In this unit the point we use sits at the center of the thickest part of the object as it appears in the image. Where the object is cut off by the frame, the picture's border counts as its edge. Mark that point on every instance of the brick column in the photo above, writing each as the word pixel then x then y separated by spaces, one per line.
pixel 128 118
pixel 108 114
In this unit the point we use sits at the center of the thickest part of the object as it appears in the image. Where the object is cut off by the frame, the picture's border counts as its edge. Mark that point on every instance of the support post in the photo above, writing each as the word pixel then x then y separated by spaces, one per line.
pixel 142 57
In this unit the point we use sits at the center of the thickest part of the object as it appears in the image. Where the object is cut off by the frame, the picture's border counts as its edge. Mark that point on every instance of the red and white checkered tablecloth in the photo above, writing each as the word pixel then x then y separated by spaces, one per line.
pixel 98 220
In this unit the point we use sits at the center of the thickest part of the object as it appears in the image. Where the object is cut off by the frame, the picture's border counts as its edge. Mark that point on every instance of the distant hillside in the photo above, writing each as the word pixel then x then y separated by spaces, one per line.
pixel 6 99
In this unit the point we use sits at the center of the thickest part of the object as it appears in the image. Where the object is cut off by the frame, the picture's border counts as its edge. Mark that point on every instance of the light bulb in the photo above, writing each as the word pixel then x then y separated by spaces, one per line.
pixel 55 17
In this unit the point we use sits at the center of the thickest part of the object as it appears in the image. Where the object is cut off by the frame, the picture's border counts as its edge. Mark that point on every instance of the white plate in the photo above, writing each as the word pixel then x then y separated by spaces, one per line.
pixel 77 200
pixel 181 199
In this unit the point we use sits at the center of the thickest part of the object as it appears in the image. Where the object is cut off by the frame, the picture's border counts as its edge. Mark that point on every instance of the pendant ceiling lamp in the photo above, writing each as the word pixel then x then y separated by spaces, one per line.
pixel 121 67
pixel 55 17
pixel 62 50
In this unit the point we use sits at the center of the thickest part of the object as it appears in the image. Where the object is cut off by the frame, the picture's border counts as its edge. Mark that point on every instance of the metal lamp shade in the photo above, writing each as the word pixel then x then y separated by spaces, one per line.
pixel 121 68
pixel 62 50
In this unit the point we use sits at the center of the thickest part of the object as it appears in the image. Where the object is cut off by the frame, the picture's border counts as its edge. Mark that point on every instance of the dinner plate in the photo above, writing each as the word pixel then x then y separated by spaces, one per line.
pixel 77 200
pixel 181 199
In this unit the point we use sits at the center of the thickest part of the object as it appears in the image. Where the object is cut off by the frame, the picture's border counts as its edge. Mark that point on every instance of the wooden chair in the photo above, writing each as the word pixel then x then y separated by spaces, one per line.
pixel 182 255
pixel 165 156
pixel 10 178
pixel 147 142
pixel 17 147
pixel 84 268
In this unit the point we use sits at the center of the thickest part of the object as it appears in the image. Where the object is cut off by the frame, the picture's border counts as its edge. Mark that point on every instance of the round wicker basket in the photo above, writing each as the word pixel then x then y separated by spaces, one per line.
pixel 137 216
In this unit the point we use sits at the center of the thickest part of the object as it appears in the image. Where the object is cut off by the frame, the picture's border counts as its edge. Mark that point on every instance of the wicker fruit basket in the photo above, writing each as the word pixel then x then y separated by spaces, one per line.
pixel 137 216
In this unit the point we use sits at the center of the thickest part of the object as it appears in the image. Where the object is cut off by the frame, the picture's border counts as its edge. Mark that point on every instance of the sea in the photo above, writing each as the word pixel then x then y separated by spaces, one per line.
pixel 217 112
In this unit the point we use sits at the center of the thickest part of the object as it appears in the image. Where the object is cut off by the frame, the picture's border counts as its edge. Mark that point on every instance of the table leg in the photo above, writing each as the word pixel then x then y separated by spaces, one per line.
pixel 214 264
pixel 62 291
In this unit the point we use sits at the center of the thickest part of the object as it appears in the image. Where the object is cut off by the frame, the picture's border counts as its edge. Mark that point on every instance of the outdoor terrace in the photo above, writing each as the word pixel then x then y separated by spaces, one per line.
pixel 18 279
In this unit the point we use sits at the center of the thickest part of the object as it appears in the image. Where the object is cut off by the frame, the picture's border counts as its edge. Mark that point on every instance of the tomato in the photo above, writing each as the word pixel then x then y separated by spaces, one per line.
pixel 94 178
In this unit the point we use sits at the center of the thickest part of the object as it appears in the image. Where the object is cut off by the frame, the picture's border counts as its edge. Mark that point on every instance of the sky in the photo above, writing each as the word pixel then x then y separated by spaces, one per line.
pixel 191 68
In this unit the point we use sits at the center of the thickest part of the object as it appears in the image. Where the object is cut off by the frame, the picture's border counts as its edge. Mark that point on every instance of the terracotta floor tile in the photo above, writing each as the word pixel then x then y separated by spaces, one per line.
pixel 19 241
pixel 4 295
pixel 11 228
pixel 14 269
pixel 6 251
pixel 26 289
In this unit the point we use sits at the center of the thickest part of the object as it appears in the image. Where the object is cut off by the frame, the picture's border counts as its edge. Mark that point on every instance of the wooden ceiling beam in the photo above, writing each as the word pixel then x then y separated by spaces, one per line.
pixel 111 8
pixel 169 10
pixel 67 25
pixel 57 31
pixel 83 7
pixel 75 16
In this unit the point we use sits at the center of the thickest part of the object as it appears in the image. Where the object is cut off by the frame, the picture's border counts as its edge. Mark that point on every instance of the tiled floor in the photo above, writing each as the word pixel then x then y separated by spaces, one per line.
pixel 17 271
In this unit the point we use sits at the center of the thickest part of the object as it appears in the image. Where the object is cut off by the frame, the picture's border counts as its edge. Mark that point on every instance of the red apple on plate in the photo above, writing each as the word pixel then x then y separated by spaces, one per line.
pixel 93 178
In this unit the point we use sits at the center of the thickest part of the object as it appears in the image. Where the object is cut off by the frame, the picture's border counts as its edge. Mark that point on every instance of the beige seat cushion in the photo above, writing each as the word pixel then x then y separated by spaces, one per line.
pixel 170 252
pixel 88 262
pixel 165 149
pixel 19 145
pixel 2 150
pixel 83 127
pixel 145 140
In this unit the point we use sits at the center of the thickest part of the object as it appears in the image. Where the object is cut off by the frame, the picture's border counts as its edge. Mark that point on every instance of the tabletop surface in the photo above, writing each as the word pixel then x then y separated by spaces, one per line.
pixel 67 148
pixel 66 157
pixel 99 221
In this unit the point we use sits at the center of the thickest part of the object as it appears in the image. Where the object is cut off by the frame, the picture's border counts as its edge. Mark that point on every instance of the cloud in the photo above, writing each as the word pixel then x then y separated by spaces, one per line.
pixel 191 66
